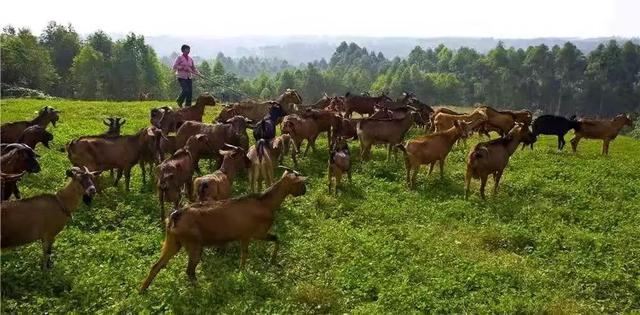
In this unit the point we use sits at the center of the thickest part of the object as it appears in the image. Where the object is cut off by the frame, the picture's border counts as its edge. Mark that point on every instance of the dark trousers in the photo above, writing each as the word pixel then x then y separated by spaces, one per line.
pixel 187 90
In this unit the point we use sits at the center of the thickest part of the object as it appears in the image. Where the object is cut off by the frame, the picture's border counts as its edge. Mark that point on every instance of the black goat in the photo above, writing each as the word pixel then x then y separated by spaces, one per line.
pixel 554 125
pixel 266 127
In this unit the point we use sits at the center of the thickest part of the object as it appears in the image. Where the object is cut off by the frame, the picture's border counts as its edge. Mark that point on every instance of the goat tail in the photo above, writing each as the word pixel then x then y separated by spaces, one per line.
pixel 260 148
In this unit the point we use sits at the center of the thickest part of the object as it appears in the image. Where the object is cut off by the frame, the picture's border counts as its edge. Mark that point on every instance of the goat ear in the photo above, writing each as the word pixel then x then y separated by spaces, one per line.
pixel 69 173
pixel 106 122
pixel 123 122
pixel 150 132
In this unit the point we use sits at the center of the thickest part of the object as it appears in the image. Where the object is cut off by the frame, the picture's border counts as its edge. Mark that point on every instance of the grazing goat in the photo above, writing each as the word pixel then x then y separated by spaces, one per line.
pixel 215 223
pixel 387 131
pixel 362 104
pixel 10 132
pixel 301 129
pixel 492 157
pixel 438 111
pixel 499 121
pixel 176 172
pixel 553 125
pixel 106 153
pixel 430 149
pixel 16 159
pixel 443 121
pixel 324 119
pixel 217 186
pixel 34 135
pixel 151 152
pixel 606 130
pixel 42 217
pixel 232 131
pixel 171 120
pixel 339 163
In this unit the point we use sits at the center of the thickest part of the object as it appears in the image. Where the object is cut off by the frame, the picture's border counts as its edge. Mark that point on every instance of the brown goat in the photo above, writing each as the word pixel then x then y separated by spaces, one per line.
pixel 257 110
pixel 324 119
pixel 264 158
pixel 215 223
pixel 339 163
pixel 10 132
pixel 156 115
pixel 34 135
pixel 387 131
pixel 171 120
pixel 42 217
pixel 217 186
pixel 16 158
pixel 500 121
pixel 232 131
pixel 430 149
pixel 176 172
pixel 106 153
pixel 9 185
pixel 151 152
pixel 444 121
pixel 492 157
pixel 301 129
pixel 606 130
pixel 362 104
pixel 438 111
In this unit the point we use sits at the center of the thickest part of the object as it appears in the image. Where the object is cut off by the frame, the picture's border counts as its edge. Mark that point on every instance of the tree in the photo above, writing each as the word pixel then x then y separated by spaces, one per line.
pixel 24 62
pixel 569 71
pixel 87 73
pixel 63 44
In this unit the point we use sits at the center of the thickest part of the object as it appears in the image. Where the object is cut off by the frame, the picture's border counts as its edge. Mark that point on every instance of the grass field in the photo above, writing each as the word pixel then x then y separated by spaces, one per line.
pixel 563 235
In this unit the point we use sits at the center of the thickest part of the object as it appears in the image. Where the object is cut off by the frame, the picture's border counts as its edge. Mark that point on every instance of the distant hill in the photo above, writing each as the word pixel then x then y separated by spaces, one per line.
pixel 302 49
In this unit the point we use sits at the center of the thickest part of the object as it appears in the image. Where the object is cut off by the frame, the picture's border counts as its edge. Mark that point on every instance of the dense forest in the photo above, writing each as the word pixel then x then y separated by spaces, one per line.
pixel 557 79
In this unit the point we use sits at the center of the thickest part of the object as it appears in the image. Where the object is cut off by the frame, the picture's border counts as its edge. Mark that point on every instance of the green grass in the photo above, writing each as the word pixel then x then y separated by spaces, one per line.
pixel 562 235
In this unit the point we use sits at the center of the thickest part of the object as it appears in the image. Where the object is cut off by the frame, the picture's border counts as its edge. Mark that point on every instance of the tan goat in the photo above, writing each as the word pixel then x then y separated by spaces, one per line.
pixel 42 217
pixel 430 149
pixel 264 157
pixel 215 223
pixel 606 130
pixel 217 186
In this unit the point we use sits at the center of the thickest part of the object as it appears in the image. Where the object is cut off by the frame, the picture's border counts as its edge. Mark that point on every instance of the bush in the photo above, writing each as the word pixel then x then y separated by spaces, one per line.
pixel 9 91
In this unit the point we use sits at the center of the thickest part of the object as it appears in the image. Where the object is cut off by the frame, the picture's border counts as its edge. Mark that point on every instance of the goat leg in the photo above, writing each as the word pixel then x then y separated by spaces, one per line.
pixel 195 252
pixel 170 248
pixel 496 181
pixel 441 162
pixel 47 244
pixel 244 252
pixel 127 178
pixel 483 183
pixel 467 183
pixel 276 245
pixel 118 176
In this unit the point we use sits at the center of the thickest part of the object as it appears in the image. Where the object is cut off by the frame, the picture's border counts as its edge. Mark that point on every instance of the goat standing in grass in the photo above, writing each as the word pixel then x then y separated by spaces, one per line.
pixel 490 158
pixel 16 159
pixel 607 130
pixel 216 223
pixel 43 217
pixel 430 149
pixel 339 162
pixel 217 186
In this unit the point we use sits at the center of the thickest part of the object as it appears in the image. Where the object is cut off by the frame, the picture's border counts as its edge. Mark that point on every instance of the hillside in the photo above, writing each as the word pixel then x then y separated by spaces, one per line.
pixel 561 236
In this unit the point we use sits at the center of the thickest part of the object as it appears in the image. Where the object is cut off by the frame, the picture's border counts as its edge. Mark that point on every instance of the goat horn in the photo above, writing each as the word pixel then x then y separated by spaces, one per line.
pixel 231 146
pixel 86 169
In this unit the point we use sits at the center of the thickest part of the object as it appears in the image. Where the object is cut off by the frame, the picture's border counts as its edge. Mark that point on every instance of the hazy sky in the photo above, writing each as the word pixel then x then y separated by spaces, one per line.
pixel 478 18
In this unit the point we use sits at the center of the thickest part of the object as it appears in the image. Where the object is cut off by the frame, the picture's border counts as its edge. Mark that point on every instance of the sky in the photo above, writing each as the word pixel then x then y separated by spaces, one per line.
pixel 470 18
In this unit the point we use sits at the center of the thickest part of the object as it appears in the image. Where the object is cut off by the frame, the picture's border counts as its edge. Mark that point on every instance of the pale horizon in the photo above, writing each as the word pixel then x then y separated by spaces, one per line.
pixel 332 18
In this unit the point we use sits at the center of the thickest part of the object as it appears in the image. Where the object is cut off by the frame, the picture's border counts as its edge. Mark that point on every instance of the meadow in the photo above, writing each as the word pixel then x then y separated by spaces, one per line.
pixel 561 236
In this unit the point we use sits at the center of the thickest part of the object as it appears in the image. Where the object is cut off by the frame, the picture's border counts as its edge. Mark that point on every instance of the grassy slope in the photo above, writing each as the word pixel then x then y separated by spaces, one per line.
pixel 561 235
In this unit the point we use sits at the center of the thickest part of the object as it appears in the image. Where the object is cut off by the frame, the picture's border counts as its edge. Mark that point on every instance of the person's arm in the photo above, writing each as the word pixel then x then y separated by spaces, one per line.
pixel 176 64
pixel 194 70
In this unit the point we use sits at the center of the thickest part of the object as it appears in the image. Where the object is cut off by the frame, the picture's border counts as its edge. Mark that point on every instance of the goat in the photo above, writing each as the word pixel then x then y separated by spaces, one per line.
pixel 492 157
pixel 10 132
pixel 301 129
pixel 339 163
pixel 362 104
pixel 171 120
pixel 9 185
pixel 264 157
pixel 324 119
pixel 444 121
pixel 156 115
pixel 388 131
pixel 34 135
pixel 430 149
pixel 216 223
pixel 106 153
pixel 554 125
pixel 151 152
pixel 501 121
pixel 176 172
pixel 115 125
pixel 438 111
pixel 42 217
pixel 266 127
pixel 232 131
pixel 217 186
pixel 606 130
pixel 255 111
pixel 16 158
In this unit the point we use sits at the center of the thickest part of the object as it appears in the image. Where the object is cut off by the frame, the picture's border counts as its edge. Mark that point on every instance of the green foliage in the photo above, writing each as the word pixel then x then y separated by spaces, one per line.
pixel 561 236
pixel 87 71
pixel 24 62
pixel 63 44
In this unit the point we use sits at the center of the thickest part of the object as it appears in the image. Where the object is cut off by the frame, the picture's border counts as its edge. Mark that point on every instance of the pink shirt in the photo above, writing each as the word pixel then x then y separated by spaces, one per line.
pixel 184 67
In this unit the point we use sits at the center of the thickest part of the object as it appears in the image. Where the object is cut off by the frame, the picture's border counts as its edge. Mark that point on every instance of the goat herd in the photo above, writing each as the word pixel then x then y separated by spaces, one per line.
pixel 177 139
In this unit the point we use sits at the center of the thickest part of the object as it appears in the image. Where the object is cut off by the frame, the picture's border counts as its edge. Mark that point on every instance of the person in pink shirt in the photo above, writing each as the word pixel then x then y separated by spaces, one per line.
pixel 185 68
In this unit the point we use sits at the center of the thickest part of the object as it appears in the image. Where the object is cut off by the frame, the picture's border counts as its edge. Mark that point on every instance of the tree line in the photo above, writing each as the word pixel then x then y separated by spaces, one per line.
pixel 558 79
